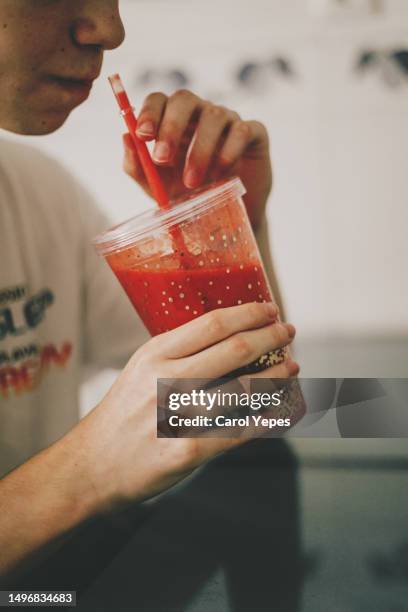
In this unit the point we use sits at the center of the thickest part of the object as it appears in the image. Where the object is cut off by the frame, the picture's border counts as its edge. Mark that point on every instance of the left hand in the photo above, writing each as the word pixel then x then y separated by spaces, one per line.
pixel 199 142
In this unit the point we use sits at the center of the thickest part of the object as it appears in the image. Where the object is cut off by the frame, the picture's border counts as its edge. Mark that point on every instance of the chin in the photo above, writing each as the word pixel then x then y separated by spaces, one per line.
pixel 47 124
pixel 34 125
pixel 38 119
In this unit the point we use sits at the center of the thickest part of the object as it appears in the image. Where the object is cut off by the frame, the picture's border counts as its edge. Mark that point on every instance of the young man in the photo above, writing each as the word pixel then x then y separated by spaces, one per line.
pixel 61 308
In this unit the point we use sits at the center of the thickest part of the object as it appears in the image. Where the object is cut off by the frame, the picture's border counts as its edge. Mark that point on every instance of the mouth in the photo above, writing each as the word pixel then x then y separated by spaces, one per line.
pixel 79 87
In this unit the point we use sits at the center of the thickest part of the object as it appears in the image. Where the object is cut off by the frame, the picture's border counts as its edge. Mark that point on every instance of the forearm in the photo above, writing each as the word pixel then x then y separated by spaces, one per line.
pixel 262 237
pixel 43 500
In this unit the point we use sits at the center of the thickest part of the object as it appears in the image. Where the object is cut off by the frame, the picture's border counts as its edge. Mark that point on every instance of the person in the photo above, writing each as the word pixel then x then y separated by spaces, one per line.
pixel 60 308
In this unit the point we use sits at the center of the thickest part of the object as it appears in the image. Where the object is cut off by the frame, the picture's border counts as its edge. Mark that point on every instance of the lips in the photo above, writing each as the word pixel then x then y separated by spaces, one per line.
pixel 84 82
pixel 77 89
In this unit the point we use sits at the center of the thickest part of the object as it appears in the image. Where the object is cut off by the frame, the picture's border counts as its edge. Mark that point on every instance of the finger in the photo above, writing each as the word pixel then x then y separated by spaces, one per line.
pixel 279 377
pixel 237 351
pixel 285 369
pixel 212 123
pixel 292 402
pixel 241 136
pixel 131 163
pixel 212 327
pixel 150 115
pixel 180 108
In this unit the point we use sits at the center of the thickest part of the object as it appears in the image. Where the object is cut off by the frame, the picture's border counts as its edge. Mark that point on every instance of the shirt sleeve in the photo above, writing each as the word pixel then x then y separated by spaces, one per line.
pixel 112 330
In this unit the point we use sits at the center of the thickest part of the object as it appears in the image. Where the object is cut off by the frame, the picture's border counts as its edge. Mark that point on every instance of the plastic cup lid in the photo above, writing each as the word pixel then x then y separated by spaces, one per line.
pixel 123 235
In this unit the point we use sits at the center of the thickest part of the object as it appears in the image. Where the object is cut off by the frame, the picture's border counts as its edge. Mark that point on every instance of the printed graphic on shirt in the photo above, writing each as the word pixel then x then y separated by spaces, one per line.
pixel 23 367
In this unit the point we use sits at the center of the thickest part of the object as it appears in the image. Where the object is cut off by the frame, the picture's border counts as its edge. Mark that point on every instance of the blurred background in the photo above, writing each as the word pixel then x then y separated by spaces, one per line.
pixel 329 78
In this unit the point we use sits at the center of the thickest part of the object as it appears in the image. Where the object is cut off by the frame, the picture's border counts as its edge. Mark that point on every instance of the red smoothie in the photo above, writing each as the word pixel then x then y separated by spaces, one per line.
pixel 213 263
pixel 167 298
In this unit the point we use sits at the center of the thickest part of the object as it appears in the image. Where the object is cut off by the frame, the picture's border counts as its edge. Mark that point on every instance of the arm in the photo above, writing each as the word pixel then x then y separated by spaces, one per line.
pixel 43 499
pixel 113 455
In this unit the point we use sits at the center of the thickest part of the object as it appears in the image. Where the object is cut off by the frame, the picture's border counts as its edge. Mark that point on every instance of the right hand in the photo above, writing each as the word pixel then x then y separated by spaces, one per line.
pixel 125 459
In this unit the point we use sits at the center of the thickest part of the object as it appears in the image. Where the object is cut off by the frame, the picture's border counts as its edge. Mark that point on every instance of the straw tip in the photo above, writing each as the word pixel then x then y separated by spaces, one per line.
pixel 116 83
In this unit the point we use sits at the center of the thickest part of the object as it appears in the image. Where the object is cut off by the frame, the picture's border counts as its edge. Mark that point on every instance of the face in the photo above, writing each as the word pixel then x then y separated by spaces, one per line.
pixel 50 53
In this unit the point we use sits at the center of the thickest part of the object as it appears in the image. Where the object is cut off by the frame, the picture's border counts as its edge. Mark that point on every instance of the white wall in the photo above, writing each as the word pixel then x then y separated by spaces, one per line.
pixel 340 143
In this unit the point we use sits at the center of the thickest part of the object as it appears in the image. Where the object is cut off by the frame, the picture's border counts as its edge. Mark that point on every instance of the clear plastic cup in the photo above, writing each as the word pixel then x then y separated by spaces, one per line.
pixel 198 255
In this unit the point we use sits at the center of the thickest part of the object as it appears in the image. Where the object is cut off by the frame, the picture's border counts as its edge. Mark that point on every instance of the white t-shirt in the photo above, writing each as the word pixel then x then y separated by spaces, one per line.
pixel 60 305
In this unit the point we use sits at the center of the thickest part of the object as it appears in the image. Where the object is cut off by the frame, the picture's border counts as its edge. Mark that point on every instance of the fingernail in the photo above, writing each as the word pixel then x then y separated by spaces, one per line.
pixel 161 151
pixel 290 329
pixel 271 309
pixel 191 178
pixel 146 128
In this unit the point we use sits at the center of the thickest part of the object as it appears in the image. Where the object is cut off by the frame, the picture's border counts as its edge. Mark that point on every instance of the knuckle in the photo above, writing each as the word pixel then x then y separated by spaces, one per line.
pixel 254 310
pixel 241 347
pixel 213 111
pixel 261 132
pixel 242 128
pixel 215 323
pixel 152 99
pixel 205 104
pixel 264 133
pixel 182 94
pixel 260 126
pixel 234 116
pixel 231 114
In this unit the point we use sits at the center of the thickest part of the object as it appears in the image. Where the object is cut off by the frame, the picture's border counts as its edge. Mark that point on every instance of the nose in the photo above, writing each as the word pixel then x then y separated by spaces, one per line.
pixel 98 24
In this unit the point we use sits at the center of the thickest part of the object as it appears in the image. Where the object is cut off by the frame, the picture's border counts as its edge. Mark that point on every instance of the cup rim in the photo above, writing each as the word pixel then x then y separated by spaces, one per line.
pixel 123 235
